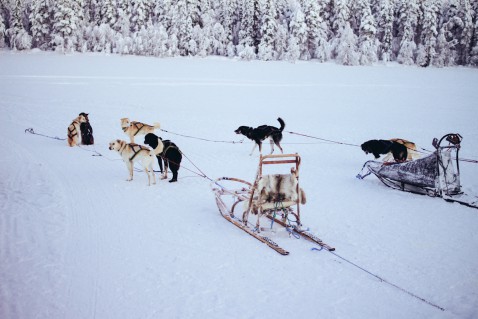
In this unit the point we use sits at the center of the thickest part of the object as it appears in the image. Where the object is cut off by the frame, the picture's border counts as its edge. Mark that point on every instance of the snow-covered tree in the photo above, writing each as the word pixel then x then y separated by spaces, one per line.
pixel 163 12
pixel 123 25
pixel 474 50
pixel 2 30
pixel 457 23
pixel 341 15
pixel 40 20
pixel 345 42
pixel 385 29
pixel 202 32
pixel 347 47
pixel 65 24
pixel 465 40
pixel 219 40
pixel 181 26
pixel 226 17
pixel 427 48
pixel 141 13
pixel 408 15
pixel 317 31
pixel 367 41
pixel 298 34
pixel 445 55
pixel 122 17
pixel 268 30
pixel 245 48
pixel 93 11
pixel 281 41
pixel 18 36
pixel 160 41
pixel 108 12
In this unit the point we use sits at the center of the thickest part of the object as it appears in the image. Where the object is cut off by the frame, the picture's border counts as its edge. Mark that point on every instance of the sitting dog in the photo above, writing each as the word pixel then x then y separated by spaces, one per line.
pixel 262 132
pixel 73 134
pixel 137 128
pixel 131 153
pixel 167 151
pixel 377 147
pixel 86 131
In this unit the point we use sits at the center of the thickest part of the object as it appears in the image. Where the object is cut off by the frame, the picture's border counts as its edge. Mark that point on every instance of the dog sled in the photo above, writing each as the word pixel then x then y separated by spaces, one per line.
pixel 276 197
pixel 436 175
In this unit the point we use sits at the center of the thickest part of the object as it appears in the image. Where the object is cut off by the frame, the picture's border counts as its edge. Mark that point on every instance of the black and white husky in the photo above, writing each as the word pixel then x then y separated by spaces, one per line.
pixel 262 132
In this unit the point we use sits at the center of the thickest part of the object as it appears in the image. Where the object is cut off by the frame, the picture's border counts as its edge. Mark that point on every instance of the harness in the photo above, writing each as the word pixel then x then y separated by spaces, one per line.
pixel 139 126
pixel 136 149
pixel 170 146
pixel 73 130
pixel 167 149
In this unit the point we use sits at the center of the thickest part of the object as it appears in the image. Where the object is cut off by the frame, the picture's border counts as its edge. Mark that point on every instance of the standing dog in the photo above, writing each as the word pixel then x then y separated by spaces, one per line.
pixel 167 151
pixel 73 133
pixel 377 147
pixel 137 128
pixel 131 153
pixel 86 131
pixel 262 132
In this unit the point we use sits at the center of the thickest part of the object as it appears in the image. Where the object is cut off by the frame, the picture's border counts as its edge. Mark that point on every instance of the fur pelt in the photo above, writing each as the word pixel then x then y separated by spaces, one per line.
pixel 279 188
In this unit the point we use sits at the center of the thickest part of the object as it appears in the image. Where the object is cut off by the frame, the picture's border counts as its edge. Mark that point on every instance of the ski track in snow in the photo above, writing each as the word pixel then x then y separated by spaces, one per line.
pixel 78 241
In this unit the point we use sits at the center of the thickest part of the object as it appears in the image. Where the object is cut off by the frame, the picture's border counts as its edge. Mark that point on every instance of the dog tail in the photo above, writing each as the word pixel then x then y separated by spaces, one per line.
pixel 156 125
pixel 282 124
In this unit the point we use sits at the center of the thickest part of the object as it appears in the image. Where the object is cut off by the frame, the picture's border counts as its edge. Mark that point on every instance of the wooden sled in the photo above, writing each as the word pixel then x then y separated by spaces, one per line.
pixel 275 196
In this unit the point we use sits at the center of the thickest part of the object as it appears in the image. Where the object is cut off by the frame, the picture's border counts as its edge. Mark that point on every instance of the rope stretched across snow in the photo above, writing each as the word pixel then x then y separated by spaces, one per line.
pixel 30 130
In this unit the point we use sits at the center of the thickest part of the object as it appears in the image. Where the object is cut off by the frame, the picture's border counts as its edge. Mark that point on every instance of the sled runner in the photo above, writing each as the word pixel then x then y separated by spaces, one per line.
pixel 275 196
pixel 437 175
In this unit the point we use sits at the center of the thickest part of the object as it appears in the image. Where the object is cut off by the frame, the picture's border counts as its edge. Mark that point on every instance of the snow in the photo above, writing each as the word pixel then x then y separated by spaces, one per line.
pixel 78 241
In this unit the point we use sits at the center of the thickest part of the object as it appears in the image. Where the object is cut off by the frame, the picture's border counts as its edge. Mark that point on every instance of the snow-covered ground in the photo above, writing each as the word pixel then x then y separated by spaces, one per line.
pixel 78 241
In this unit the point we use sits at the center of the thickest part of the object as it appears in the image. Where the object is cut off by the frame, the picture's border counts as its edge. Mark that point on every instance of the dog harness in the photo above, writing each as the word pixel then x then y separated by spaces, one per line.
pixel 172 145
pixel 70 132
pixel 139 126
pixel 136 149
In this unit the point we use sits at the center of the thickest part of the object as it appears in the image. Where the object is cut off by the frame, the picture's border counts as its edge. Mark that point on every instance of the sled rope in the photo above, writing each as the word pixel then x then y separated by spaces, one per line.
pixel 384 280
pixel 422 150
pixel 96 153
pixel 323 139
pixel 31 131
pixel 203 139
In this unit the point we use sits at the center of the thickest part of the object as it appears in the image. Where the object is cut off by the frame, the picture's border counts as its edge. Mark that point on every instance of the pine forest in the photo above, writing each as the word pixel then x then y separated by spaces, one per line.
pixel 436 33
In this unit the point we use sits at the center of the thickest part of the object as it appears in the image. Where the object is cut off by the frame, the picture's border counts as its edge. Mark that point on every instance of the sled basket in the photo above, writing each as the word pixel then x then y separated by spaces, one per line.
pixel 438 174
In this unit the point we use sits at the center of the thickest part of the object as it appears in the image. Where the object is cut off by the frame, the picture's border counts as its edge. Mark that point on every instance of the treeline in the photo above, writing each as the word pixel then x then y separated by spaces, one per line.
pixel 351 32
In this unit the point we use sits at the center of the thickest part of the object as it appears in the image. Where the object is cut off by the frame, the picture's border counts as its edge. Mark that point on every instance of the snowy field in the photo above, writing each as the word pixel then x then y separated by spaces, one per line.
pixel 78 241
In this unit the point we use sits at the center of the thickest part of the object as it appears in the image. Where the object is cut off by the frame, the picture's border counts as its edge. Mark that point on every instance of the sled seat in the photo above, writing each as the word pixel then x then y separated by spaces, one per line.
pixel 278 190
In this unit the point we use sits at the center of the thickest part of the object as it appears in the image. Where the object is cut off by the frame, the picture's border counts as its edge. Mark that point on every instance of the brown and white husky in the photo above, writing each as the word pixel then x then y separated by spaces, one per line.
pixel 74 132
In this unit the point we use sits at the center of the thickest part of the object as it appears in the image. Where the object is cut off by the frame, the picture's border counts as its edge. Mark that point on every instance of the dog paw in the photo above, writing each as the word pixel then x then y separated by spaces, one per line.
pixel 173 180
pixel 164 177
